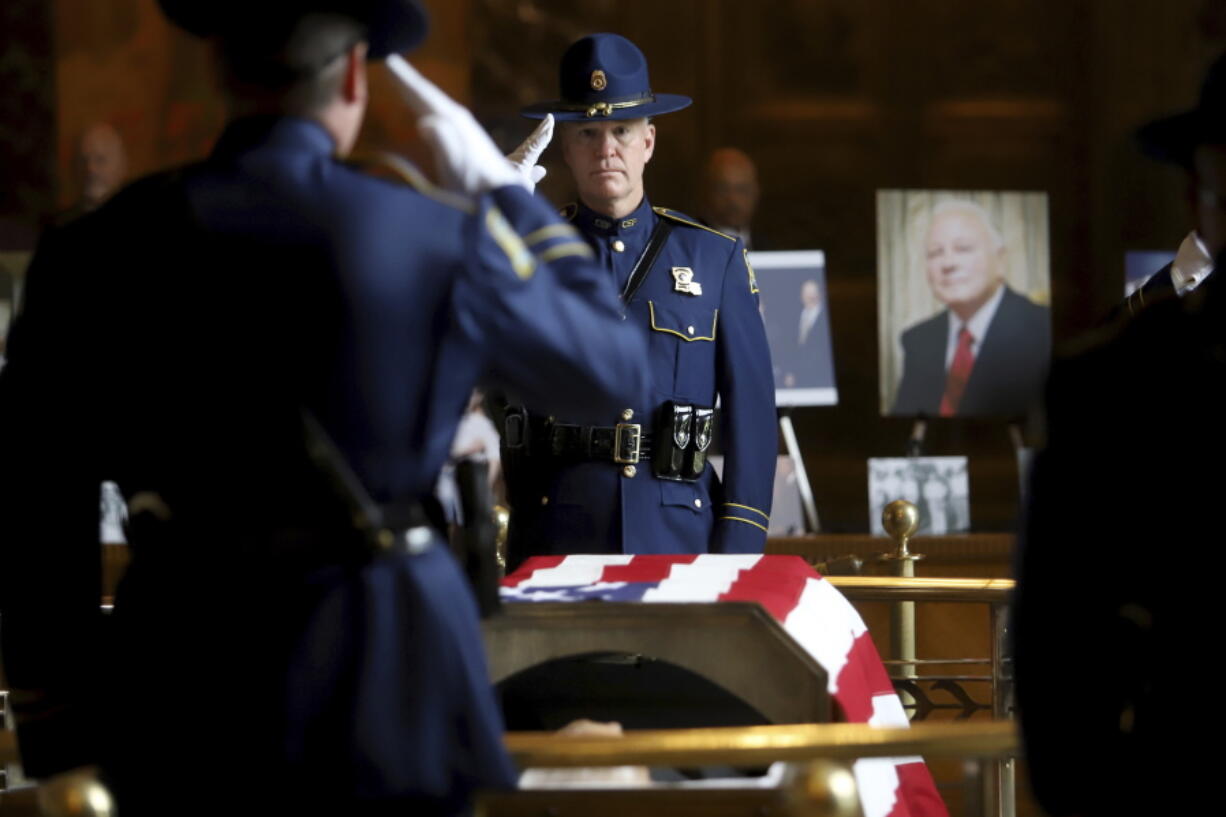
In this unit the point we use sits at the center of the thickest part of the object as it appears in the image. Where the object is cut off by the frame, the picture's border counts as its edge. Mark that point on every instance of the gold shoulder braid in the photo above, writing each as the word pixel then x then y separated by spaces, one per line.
pixel 680 219
pixel 393 168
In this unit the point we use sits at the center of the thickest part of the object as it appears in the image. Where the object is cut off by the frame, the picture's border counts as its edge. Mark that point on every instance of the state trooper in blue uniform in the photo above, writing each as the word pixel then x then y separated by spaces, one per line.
pixel 266 655
pixel 638 482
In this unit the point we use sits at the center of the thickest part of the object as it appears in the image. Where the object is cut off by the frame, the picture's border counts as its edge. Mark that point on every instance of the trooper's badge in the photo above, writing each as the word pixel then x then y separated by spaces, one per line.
pixel 683 281
pixel 599 80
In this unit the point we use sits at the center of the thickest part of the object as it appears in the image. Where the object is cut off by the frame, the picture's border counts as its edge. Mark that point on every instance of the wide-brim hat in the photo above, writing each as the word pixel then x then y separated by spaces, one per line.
pixel 393 26
pixel 604 76
pixel 1175 138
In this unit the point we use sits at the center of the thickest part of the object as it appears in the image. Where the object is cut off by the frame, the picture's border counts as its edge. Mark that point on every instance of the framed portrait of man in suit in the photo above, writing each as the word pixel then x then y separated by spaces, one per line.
pixel 963 294
pixel 792 300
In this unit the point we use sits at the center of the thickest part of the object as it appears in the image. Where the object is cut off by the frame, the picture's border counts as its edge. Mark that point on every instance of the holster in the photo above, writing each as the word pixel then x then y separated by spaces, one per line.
pixel 700 441
pixel 525 479
pixel 674 426
pixel 681 439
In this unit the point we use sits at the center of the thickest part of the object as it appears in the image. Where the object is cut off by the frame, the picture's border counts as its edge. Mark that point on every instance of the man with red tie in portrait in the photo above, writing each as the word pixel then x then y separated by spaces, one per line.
pixel 987 352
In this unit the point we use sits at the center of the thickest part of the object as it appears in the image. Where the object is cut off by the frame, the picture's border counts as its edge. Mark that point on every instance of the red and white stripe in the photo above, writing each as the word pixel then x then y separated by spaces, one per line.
pixel 812 611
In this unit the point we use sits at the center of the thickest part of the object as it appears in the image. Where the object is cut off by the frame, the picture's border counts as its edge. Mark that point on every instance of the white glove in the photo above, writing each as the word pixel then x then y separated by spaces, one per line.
pixel 526 155
pixel 467 159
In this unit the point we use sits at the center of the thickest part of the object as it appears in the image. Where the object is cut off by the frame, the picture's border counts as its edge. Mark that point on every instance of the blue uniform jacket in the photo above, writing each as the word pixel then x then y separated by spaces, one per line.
pixel 703 344
pixel 169 342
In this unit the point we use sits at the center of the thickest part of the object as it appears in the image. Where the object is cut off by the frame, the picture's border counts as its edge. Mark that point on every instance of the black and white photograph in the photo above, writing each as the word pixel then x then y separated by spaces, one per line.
pixel 964 288
pixel 792 300
pixel 938 486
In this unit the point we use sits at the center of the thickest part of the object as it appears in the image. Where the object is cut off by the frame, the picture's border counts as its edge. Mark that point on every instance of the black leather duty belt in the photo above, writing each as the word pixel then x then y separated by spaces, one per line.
pixel 624 443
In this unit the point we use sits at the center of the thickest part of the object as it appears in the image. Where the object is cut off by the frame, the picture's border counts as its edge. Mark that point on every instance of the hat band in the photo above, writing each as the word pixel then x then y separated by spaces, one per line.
pixel 606 108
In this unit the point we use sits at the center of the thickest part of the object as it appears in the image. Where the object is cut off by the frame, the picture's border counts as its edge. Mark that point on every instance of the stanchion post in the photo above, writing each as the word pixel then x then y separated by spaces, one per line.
pixel 1002 705
pixel 901 520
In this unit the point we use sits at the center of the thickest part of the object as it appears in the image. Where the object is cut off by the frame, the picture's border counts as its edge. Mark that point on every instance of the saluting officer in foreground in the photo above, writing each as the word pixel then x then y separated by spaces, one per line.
pixel 638 481
pixel 1196 141
pixel 266 654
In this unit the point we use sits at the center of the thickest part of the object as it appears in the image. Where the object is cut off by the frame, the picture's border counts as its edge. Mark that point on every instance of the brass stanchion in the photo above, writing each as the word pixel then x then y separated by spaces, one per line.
pixel 75 794
pixel 827 788
pixel 901 520
pixel 502 527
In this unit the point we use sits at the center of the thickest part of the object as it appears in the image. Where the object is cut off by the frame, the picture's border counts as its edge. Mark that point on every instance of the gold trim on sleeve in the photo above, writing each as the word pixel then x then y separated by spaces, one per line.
pixel 747 522
pixel 522 261
pixel 765 516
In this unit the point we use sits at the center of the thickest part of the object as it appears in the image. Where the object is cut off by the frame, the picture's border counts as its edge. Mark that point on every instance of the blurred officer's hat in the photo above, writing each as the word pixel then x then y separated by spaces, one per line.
pixel 1174 138
pixel 604 76
pixel 393 26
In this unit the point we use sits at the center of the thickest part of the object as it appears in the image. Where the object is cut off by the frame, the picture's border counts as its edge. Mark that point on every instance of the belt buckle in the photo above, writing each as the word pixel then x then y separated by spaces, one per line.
pixel 626 437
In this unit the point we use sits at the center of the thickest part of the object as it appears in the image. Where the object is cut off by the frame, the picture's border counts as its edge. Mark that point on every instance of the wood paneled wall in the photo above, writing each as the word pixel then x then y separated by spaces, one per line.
pixel 26 118
pixel 70 63
pixel 836 99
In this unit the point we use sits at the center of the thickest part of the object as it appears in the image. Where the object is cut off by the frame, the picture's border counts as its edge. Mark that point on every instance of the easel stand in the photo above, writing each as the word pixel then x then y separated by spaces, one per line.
pixel 802 477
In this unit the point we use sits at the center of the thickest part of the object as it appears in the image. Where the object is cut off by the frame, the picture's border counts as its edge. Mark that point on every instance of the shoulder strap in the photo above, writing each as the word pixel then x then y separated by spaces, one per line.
pixel 643 266
pixel 390 167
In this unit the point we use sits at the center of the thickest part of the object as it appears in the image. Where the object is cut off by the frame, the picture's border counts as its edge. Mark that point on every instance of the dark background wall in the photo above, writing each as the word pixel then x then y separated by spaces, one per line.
pixel 27 118
pixel 838 98
pixel 833 98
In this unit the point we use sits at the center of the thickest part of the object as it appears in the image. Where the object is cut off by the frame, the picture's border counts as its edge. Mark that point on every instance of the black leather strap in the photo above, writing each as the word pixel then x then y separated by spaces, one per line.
pixel 643 266
pixel 369 516
pixel 589 442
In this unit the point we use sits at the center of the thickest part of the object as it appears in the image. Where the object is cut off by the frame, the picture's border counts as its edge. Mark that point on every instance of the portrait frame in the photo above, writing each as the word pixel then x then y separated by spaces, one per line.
pixel 802 361
pixel 905 299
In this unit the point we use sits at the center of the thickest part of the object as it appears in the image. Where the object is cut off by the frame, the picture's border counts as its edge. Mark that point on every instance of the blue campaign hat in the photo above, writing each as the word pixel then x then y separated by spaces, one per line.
pixel 604 76
pixel 393 26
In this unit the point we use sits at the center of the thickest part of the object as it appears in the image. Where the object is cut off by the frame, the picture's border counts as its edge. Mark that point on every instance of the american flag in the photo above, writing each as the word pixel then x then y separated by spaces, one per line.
pixel 812 611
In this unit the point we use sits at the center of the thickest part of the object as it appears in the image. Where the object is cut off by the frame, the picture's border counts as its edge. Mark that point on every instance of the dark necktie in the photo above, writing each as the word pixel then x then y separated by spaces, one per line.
pixel 959 373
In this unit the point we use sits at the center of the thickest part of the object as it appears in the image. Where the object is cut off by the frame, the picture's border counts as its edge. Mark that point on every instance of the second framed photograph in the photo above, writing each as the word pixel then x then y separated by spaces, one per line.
pixel 792 299
pixel 939 487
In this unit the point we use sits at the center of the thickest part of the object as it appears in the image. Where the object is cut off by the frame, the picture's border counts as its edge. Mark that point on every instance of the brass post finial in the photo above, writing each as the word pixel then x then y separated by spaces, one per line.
pixel 78 793
pixel 826 787
pixel 901 519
